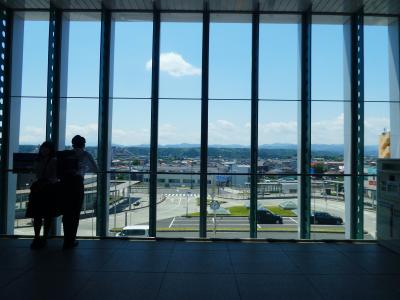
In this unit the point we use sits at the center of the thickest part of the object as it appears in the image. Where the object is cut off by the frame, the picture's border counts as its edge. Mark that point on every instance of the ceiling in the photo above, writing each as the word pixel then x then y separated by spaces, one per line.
pixel 369 7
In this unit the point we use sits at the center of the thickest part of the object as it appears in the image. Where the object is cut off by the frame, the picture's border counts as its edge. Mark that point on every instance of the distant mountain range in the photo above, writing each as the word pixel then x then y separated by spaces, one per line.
pixel 289 149
pixel 338 148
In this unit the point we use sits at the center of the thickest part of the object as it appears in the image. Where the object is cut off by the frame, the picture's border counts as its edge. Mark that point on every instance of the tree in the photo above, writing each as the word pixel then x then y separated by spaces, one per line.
pixel 135 162
pixel 319 168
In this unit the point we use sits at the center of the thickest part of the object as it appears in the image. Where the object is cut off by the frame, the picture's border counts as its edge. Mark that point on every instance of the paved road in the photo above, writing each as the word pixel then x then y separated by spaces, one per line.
pixel 236 223
pixel 177 204
pixel 221 221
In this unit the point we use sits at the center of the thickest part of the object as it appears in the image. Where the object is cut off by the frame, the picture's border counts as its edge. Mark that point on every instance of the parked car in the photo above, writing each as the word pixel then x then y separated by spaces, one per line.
pixel 288 205
pixel 320 217
pixel 134 231
pixel 265 216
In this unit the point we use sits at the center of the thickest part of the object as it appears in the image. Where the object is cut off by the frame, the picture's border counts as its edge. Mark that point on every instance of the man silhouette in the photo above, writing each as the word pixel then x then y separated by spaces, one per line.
pixel 74 190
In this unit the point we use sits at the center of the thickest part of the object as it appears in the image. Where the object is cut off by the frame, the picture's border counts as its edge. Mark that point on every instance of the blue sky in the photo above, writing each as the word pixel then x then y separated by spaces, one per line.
pixel 180 77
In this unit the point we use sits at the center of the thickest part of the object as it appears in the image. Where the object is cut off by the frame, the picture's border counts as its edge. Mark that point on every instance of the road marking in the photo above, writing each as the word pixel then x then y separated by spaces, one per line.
pixel 211 224
pixel 258 226
pixel 172 222
pixel 293 220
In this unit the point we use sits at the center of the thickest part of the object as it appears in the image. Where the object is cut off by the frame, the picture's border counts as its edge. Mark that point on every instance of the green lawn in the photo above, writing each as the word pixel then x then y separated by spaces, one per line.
pixel 242 211
pixel 239 211
pixel 208 201
pixel 282 212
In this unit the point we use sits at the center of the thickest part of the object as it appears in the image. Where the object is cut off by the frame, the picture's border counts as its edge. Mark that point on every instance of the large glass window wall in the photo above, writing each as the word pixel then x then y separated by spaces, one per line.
pixel 229 121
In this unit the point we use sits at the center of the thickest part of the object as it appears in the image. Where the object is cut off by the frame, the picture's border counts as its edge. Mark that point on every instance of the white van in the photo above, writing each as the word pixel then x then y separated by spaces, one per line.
pixel 134 231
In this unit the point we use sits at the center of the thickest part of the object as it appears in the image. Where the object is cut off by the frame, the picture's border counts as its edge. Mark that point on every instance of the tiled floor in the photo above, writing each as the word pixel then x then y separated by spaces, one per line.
pixel 120 269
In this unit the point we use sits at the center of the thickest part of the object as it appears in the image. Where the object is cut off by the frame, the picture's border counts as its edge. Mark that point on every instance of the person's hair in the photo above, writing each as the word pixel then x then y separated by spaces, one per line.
pixel 78 141
pixel 49 145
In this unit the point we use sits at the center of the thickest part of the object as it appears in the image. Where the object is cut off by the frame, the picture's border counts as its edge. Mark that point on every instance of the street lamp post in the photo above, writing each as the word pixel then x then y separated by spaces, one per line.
pixel 187 203
pixel 191 175
pixel 129 194
pixel 115 206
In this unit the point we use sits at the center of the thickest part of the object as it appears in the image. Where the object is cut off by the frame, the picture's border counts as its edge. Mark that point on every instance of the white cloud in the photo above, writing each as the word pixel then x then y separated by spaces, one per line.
pixel 277 132
pixel 330 131
pixel 175 65
pixel 227 132
pixel 88 131
pixel 131 137
pixel 32 135
pixel 167 134
pixel 171 134
pixel 222 125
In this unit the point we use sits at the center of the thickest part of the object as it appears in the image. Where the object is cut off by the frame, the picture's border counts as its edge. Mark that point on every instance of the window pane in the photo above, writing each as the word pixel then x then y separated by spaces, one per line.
pixel 84 57
pixel 32 118
pixel 22 224
pixel 376 63
pixel 129 204
pixel 132 51
pixel 180 58
pixel 376 126
pixel 34 80
pixel 178 205
pixel 278 55
pixel 35 56
pixel 277 137
pixel 85 124
pixel 179 135
pixel 376 134
pixel 327 196
pixel 229 136
pixel 376 114
pixel 277 213
pixel 231 219
pixel 327 62
pixel 230 59
pixel 131 135
pixel 32 123
pixel 327 137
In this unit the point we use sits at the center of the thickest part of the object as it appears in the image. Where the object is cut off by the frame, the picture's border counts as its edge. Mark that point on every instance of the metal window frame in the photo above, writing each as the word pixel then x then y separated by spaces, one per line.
pixel 57 75
pixel 357 127
pixel 304 130
pixel 6 20
pixel 255 38
pixel 53 77
pixel 155 78
pixel 13 53
pixel 105 121
pixel 204 121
